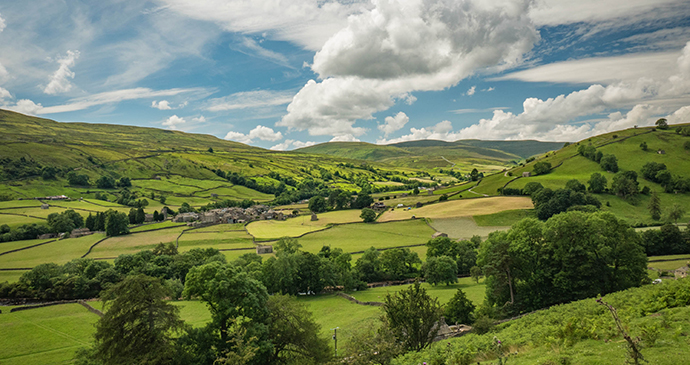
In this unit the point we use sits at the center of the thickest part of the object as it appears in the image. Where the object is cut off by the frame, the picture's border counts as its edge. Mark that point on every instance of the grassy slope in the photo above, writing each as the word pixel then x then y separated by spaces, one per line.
pixel 460 208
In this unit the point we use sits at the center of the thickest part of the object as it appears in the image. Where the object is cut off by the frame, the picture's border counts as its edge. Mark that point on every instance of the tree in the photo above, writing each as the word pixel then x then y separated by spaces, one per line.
pixel 141 216
pixel 139 325
pixel 575 185
pixel 499 264
pixel 597 183
pixel 105 182
pixel 476 273
pixel 287 246
pixel 362 201
pixel 372 345
pixel 662 123
pixel 541 168
pixel 398 263
pixel 48 173
pixel 125 182
pixel 532 187
pixel 162 199
pixel 415 191
pixel 115 223
pixel 459 309
pixel 368 215
pixel 412 316
pixel 609 163
pixel 625 184
pixel 210 149
pixel 441 269
pixel 229 293
pixel 655 206
pixel 368 267
pixel 317 204
pixel 293 333
pixel 675 213
pixel 643 146
pixel 474 175
pixel 78 180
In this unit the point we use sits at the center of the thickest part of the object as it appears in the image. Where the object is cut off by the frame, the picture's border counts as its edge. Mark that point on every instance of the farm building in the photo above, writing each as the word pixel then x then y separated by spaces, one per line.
pixel 526 174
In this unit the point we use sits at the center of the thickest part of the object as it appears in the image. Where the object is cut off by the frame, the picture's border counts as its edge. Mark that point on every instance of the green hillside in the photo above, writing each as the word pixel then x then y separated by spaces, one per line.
pixel 486 156
pixel 567 164
pixel 164 162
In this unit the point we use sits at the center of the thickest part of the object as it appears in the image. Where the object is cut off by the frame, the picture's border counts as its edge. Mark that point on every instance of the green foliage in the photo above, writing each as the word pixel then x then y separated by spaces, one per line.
pixel 476 273
pixel 362 201
pixel 548 203
pixel 371 345
pixel 609 163
pixel 583 254
pixel 411 315
pixel 294 334
pixel 661 123
pixel 531 188
pixel 116 223
pixel 541 168
pixel 576 186
pixel 597 183
pixel 399 263
pixel 643 146
pixel 105 182
pixel 317 204
pixel 368 215
pixel 65 221
pixel 655 206
pixel 459 309
pixel 675 212
pixel 625 184
pixel 440 269
pixel 139 325
pixel 78 179
pixel 125 182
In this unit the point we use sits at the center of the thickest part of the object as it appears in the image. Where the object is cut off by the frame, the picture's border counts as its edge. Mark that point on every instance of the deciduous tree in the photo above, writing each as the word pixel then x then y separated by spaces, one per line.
pixel 412 316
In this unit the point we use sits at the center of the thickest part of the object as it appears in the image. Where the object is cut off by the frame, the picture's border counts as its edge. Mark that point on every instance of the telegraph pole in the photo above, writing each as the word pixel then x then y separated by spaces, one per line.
pixel 335 339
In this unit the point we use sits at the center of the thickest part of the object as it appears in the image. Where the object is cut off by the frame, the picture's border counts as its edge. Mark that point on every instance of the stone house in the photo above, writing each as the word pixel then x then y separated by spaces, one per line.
pixel 45 206
pixel 80 233
pixel 526 174
pixel 439 234
pixel 682 272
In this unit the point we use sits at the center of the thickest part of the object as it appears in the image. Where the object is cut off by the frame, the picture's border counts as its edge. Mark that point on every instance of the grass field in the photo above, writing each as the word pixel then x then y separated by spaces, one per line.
pixel 59 252
pixel 271 229
pixel 504 218
pixel 14 245
pixel 464 227
pixel 14 221
pixel 11 276
pixel 47 335
pixel 474 291
pixel 219 240
pixel 151 226
pixel 135 242
pixel 460 208
pixel 675 262
pixel 361 236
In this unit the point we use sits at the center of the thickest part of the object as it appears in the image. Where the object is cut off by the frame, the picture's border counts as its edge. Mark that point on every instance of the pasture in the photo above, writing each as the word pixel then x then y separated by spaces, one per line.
pixel 504 218
pixel 273 229
pixel 464 227
pixel 48 335
pixel 474 291
pixel 134 242
pixel 361 236
pixel 11 276
pixel 59 252
pixel 460 208
pixel 16 220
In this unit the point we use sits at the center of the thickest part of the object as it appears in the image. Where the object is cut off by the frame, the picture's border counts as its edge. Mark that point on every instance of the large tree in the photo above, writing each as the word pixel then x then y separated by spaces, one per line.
pixel 138 326
pixel 294 334
pixel 597 183
pixel 459 309
pixel 441 269
pixel 655 206
pixel 412 316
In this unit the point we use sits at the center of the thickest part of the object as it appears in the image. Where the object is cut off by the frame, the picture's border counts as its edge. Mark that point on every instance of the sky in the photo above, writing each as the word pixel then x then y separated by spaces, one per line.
pixel 285 74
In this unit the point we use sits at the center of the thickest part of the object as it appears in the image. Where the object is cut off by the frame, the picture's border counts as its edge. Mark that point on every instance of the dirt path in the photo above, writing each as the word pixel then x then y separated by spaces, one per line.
pixel 474 192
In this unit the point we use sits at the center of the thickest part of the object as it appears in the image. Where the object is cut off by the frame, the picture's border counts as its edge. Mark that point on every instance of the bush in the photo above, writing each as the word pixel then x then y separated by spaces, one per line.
pixel 541 168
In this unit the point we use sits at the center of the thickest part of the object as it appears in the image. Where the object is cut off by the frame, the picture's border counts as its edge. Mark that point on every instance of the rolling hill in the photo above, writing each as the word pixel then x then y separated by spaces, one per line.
pixel 431 154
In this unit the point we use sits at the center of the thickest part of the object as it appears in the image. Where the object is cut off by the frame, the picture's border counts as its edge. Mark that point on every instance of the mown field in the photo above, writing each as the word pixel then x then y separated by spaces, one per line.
pixel 460 208
pixel 272 229
pixel 464 227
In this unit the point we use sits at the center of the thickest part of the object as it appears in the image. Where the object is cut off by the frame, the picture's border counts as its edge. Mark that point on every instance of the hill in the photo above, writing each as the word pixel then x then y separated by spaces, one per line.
pixel 664 147
pixel 159 161
pixel 486 156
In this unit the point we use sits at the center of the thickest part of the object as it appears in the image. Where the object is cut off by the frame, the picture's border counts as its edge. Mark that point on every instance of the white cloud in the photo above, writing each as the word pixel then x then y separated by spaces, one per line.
pixel 249 99
pixel 161 105
pixel 467 111
pixel 5 94
pixel 394 123
pixel 291 142
pixel 60 80
pixel 308 23
pixel 2 24
pixel 261 132
pixel 557 12
pixel 344 138
pixel 174 121
pixel 4 75
pixel 488 89
pixel 117 96
pixel 24 106
pixel 199 119
pixel 442 131
pixel 471 91
pixel 250 47
pixel 601 69
pixel 402 46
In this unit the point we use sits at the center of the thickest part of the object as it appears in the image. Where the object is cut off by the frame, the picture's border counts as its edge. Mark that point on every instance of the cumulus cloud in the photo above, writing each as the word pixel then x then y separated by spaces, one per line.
pixel 4 75
pixel 24 106
pixel 442 131
pixel 291 143
pixel 161 105
pixel 403 46
pixel 60 80
pixel 471 91
pixel 249 99
pixel 259 132
pixel 2 23
pixel 5 94
pixel 393 124
pixel 199 119
pixel 174 121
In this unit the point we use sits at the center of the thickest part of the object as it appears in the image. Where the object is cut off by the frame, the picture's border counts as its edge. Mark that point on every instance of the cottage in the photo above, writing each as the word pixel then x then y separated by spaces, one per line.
pixel 314 217
pixel 80 233
pixel 682 272
pixel 47 236
pixel 379 205
pixel 439 234
pixel 185 217
pixel 526 174
pixel 430 192
pixel 45 206
pixel 148 217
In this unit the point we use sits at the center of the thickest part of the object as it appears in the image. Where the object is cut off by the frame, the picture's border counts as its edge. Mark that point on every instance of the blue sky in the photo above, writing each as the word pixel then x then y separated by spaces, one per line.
pixel 287 74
